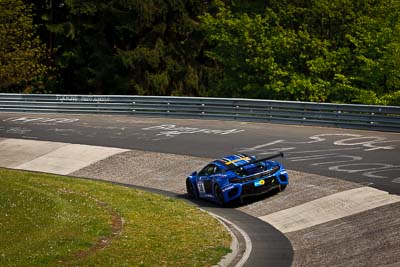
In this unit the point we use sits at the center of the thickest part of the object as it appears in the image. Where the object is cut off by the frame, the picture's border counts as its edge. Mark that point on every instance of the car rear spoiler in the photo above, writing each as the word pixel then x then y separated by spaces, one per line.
pixel 280 154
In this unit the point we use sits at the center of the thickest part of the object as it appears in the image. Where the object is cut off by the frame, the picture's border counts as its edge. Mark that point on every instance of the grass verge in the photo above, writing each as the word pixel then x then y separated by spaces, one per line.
pixel 54 220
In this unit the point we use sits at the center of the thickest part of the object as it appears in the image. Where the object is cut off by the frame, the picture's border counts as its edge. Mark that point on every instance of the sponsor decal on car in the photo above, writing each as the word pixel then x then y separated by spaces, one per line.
pixel 200 186
pixel 227 188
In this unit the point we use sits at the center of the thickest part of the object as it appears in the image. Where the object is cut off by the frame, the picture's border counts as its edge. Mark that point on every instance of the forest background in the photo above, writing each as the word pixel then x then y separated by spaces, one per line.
pixel 339 51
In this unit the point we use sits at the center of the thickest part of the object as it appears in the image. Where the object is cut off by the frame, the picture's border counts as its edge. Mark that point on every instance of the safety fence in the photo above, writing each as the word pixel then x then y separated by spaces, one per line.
pixel 383 118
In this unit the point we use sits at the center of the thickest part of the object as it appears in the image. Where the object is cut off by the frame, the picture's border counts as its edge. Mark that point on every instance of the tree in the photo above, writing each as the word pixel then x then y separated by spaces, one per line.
pixel 127 46
pixel 21 52
pixel 321 50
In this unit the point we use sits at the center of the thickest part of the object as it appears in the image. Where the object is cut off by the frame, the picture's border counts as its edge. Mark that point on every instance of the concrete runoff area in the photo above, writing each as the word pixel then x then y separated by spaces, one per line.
pixel 15 152
pixel 370 238
pixel 51 157
pixel 329 208
pixel 69 158
pixel 303 187
pixel 346 240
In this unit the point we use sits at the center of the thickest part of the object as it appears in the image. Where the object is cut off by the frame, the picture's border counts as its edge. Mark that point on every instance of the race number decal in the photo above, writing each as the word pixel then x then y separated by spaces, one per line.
pixel 200 186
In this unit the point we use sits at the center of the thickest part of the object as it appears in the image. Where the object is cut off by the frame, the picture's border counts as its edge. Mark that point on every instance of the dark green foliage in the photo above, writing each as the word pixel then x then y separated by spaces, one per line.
pixel 329 50
pixel 22 54
pixel 126 46
pixel 319 50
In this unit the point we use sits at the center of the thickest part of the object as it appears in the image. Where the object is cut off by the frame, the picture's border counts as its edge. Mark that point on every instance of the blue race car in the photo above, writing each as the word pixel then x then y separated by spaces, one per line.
pixel 236 177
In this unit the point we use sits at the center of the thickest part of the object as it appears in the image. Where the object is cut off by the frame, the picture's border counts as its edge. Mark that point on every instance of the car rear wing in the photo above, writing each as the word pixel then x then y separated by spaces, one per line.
pixel 280 154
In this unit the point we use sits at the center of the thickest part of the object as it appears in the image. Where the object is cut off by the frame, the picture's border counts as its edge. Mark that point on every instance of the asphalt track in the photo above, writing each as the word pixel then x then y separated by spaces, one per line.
pixel 365 157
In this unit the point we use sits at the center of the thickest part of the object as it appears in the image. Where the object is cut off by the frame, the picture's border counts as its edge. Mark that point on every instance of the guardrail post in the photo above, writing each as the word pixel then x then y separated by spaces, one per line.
pixel 371 123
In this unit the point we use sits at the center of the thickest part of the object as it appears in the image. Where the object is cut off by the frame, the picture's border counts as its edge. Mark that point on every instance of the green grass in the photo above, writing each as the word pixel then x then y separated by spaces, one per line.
pixel 55 221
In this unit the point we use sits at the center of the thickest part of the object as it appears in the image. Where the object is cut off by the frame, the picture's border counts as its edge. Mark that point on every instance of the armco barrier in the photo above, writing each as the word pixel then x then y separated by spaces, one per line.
pixel 383 118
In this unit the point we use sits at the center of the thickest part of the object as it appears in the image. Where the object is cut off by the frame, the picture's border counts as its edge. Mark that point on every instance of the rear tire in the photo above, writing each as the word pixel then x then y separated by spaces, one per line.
pixel 191 191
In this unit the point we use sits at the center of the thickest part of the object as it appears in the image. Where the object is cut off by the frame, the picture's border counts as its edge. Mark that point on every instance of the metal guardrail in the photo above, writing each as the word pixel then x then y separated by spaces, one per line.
pixel 383 118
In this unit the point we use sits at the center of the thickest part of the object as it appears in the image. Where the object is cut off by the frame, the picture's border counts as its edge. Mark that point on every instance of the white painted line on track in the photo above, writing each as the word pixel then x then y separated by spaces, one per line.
pixel 329 208
pixel 227 259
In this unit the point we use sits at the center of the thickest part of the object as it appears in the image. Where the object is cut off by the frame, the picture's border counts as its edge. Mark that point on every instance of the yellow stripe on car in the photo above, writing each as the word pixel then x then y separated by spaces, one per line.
pixel 236 160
